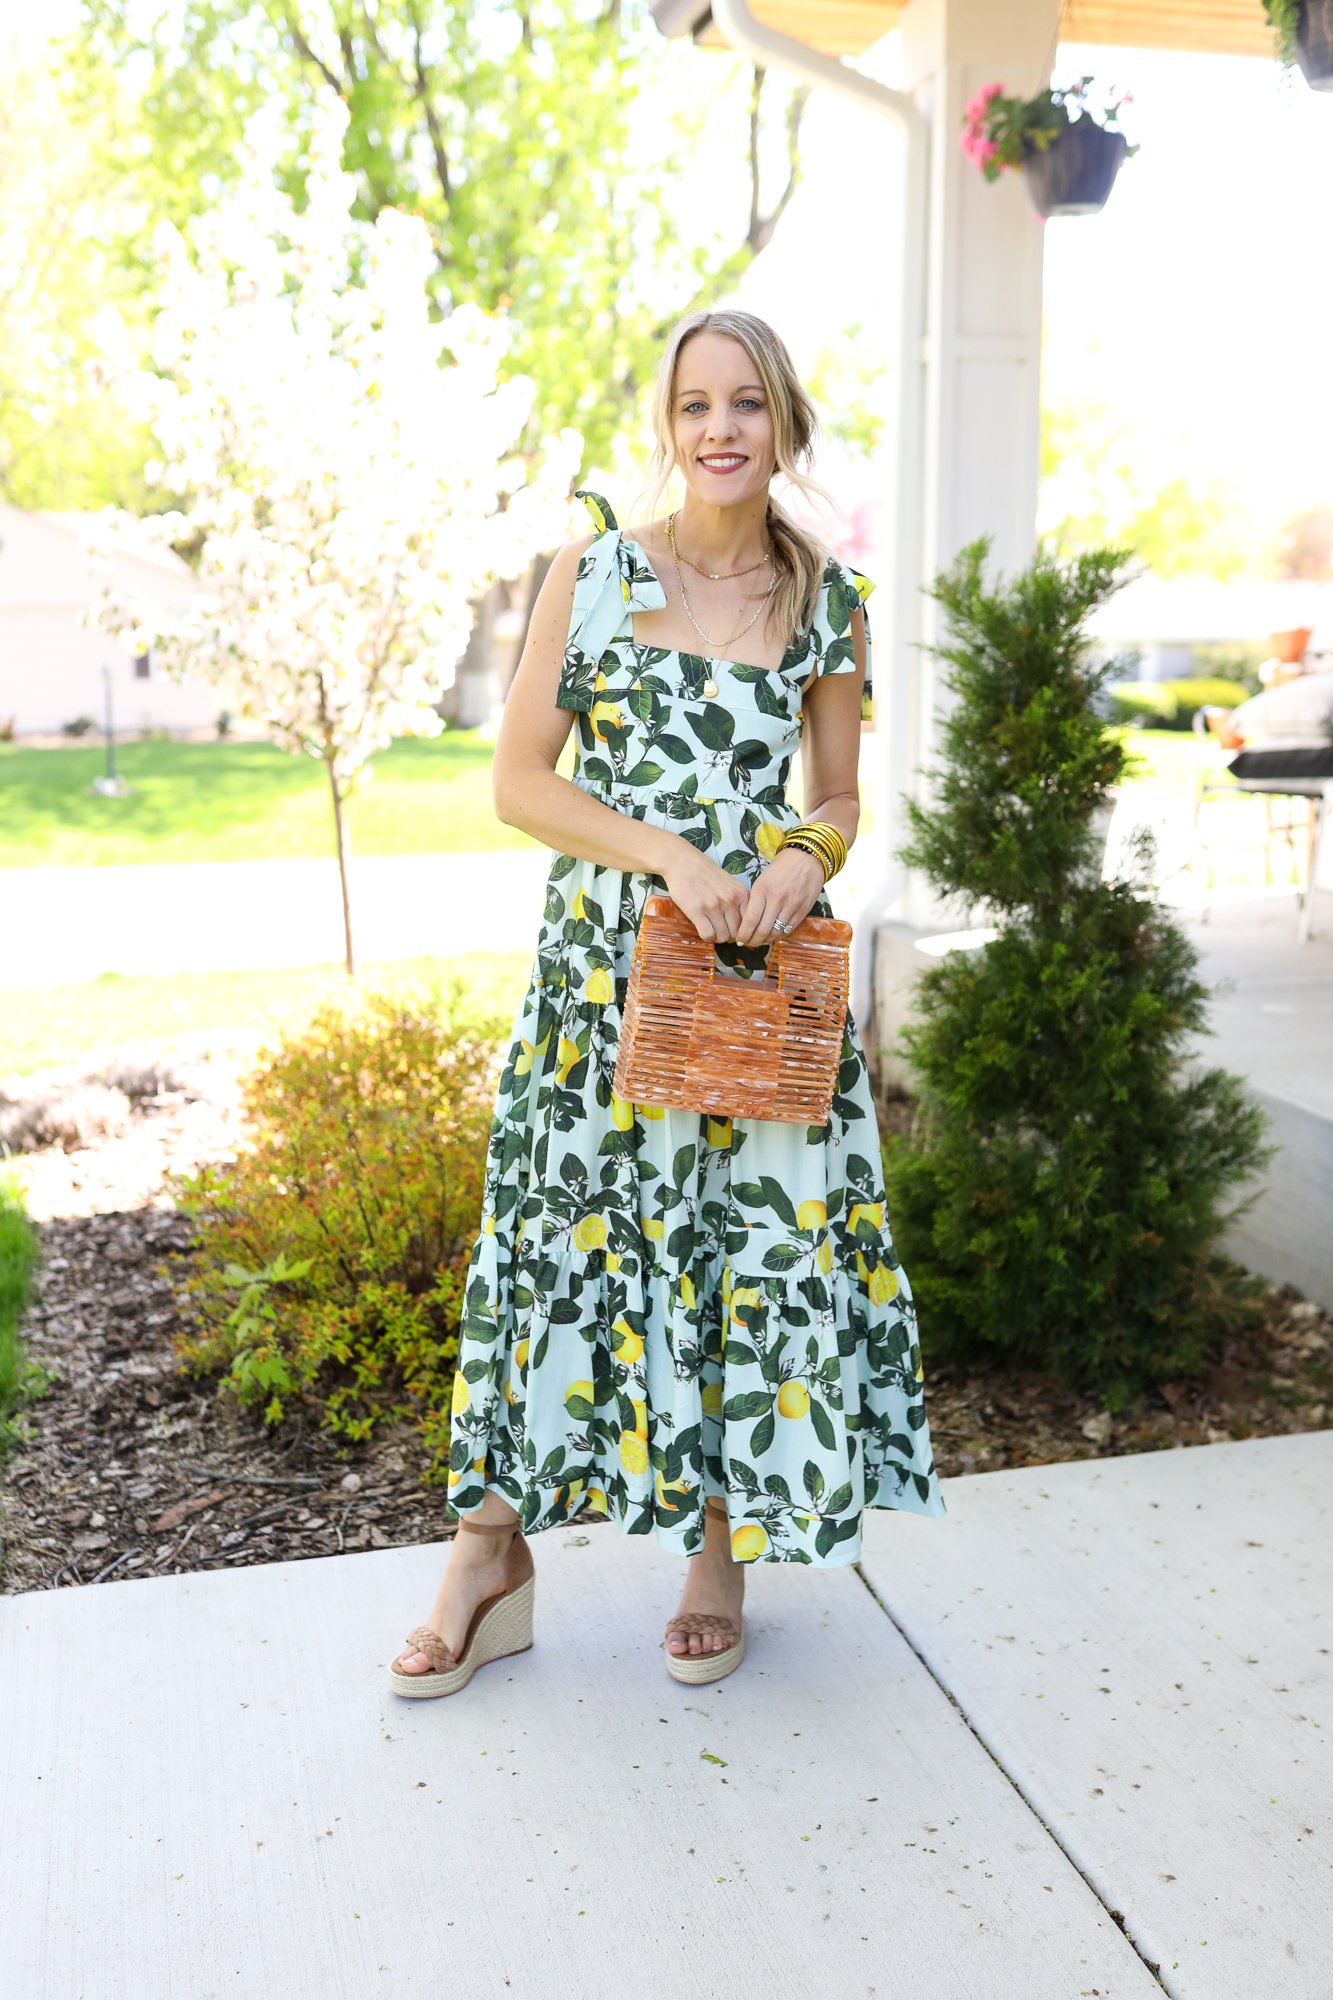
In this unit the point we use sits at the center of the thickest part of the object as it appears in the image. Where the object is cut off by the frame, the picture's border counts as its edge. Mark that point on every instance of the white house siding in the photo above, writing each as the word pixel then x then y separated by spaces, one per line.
pixel 50 664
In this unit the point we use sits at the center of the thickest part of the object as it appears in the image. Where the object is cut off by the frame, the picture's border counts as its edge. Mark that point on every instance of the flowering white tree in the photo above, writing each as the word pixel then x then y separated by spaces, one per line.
pixel 345 467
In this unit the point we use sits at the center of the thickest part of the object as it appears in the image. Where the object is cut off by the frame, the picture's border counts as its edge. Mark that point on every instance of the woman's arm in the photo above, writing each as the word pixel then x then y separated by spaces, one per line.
pixel 529 794
pixel 830 750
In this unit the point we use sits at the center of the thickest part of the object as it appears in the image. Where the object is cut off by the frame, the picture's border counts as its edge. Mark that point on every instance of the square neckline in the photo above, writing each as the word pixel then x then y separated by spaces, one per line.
pixel 708 659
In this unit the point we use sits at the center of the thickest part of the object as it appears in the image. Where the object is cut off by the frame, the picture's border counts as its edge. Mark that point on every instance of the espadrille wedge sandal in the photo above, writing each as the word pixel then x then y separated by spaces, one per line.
pixel 499 1626
pixel 695 1668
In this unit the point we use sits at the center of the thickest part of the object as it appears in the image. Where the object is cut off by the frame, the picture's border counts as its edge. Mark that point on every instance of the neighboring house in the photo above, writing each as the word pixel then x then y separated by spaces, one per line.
pixel 1165 618
pixel 51 664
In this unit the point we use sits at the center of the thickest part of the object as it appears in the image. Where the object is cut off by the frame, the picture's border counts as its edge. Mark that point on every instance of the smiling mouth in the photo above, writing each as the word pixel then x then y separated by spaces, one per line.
pixel 724 461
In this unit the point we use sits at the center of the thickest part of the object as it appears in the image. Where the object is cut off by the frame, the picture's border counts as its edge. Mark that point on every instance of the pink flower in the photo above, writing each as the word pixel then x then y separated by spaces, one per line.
pixel 976 106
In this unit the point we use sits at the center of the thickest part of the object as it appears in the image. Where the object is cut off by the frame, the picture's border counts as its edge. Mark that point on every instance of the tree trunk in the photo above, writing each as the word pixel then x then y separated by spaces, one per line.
pixel 340 829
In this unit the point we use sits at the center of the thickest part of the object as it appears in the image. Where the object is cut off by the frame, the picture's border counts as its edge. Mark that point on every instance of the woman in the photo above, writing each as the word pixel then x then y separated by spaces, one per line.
pixel 623 1245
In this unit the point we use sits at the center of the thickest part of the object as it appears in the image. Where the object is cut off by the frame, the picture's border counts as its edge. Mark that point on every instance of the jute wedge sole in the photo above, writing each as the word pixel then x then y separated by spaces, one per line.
pixel 500 1626
pixel 694 1668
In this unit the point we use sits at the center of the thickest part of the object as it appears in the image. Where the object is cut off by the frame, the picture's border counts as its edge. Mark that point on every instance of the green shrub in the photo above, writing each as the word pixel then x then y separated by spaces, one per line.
pixel 1169 704
pixel 1059 1202
pixel 330 1258
pixel 1237 661
pixel 21 1380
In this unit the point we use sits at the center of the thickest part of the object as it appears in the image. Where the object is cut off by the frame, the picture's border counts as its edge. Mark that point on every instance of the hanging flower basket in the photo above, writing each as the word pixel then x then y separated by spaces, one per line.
pixel 1303 34
pixel 1075 173
pixel 1069 156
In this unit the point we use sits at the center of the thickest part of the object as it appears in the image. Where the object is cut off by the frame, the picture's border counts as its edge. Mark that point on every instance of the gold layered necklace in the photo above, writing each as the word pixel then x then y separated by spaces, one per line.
pixel 717 576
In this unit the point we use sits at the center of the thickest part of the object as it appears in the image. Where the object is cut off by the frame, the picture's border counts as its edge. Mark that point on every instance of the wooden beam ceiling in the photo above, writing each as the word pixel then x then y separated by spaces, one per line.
pixel 849 27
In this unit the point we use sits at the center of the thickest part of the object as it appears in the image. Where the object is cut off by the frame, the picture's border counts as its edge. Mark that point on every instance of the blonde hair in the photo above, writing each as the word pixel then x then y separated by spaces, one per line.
pixel 798 559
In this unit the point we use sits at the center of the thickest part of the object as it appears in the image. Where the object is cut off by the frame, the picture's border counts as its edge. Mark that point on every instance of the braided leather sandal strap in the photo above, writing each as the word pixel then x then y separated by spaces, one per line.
pixel 423 1640
pixel 705 1621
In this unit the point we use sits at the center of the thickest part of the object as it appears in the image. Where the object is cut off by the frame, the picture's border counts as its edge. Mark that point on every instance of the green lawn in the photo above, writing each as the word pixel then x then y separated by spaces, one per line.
pixel 249 802
pixel 242 802
pixel 57 1025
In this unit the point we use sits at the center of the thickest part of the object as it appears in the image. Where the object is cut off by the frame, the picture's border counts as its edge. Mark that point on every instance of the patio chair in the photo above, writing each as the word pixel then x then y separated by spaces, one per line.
pixel 1279 777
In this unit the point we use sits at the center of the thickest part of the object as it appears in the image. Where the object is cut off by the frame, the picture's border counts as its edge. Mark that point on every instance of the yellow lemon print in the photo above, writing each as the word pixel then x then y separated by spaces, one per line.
pixel 712 1399
pixel 633 1454
pixel 598 516
pixel 628 1343
pixel 653 1111
pixel 489 1225
pixel 748 1542
pixel 596 1500
pixel 676 1486
pixel 824 1257
pixel 462 1396
pixel 605 715
pixel 719 1131
pixel 600 987
pixel 599 683
pixel 640 1419
pixel 653 1228
pixel 863 587
pixel 744 1295
pixel 867 1211
pixel 726 1284
pixel 523 1061
pixel 768 839
pixel 579 903
pixel 613 1262
pixel 455 1479
pixel 568 1052
pixel 510 1393
pixel 622 1113
pixel 862 1268
pixel 687 1295
pixel 883 1285
pixel 793 1399
pixel 590 1234
pixel 811 1215
pixel 521 1354
pixel 584 1389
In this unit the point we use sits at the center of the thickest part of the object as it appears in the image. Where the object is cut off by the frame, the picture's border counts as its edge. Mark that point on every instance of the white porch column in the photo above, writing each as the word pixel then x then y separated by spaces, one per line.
pixel 975 469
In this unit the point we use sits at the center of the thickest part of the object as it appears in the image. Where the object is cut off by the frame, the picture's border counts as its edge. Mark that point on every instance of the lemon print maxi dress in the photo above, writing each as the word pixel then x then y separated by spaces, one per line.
pixel 662 1305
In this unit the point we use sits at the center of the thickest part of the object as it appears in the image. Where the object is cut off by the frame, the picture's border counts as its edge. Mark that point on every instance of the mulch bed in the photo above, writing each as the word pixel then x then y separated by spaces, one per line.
pixel 131 1469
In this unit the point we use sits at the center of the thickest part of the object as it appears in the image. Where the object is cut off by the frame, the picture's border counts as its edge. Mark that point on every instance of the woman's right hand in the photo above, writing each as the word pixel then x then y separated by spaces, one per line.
pixel 713 901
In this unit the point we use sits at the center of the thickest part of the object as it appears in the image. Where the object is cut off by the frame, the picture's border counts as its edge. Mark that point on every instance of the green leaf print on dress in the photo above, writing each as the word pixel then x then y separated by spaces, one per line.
pixel 662 1305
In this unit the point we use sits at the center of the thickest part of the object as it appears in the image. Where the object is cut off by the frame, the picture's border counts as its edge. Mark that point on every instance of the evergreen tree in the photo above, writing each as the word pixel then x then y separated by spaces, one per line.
pixel 1059 1203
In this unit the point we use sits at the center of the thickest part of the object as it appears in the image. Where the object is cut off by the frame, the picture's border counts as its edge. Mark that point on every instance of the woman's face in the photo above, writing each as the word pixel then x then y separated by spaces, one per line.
pixel 721 422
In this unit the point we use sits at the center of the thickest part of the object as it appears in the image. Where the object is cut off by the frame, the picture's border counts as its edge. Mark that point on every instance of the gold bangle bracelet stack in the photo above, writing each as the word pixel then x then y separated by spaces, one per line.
pixel 820 838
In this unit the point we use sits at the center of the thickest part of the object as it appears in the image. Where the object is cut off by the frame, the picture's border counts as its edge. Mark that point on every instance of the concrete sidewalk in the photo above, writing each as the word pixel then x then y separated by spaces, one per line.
pixel 1092 1689
pixel 58 925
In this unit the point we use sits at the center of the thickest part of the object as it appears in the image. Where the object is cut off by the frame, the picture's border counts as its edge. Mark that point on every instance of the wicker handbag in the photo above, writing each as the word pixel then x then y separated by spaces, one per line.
pixel 738 1048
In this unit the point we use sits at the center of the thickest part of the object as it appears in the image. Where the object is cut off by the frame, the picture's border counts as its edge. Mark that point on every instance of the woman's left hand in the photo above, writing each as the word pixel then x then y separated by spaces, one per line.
pixel 786 892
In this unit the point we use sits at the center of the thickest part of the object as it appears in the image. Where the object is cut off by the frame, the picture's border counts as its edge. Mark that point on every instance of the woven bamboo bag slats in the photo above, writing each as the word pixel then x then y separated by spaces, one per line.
pixel 736 1048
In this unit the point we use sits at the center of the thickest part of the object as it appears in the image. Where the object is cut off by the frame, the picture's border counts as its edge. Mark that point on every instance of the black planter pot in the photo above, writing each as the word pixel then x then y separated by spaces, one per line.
pixel 1075 173
pixel 1314 43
